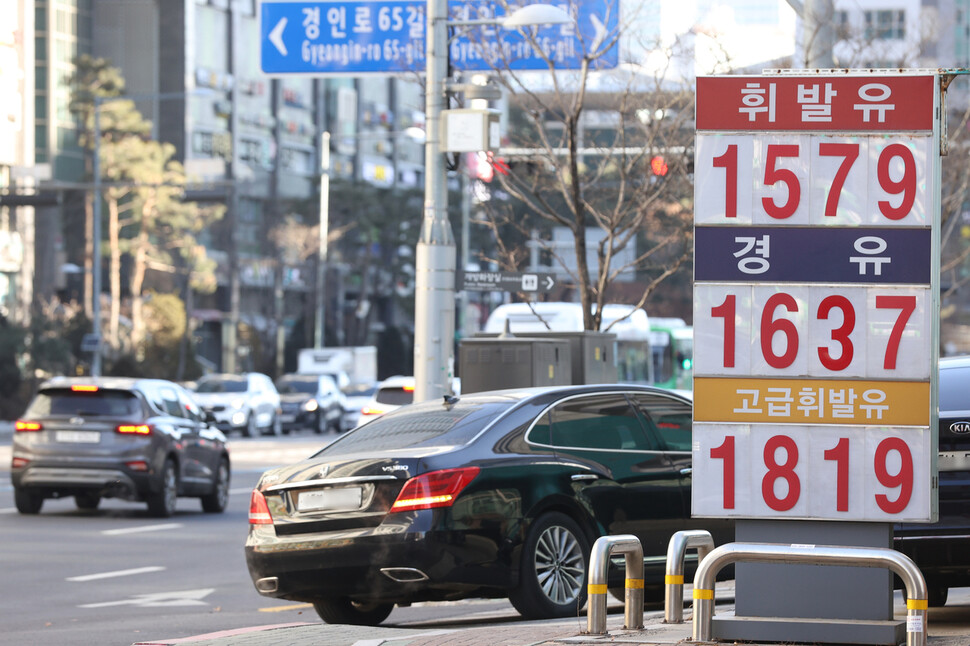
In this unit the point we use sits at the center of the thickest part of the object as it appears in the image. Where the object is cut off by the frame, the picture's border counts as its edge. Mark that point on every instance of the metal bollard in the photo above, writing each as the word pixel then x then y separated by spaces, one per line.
pixel 916 604
pixel 599 565
pixel 680 542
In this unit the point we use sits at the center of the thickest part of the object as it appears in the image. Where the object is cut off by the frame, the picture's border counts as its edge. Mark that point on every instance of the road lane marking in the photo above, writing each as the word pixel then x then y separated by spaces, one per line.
pixel 296 606
pixel 108 575
pixel 8 510
pixel 157 599
pixel 142 528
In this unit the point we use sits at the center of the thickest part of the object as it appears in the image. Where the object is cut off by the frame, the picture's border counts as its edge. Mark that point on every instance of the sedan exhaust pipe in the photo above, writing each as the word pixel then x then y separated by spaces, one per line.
pixel 404 574
pixel 268 585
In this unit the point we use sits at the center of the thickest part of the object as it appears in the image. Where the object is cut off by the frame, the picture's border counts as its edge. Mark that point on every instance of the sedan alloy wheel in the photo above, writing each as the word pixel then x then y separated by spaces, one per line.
pixel 554 569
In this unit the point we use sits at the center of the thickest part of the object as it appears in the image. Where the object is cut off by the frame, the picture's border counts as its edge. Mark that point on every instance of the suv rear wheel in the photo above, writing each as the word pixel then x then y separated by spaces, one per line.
pixel 28 501
pixel 161 503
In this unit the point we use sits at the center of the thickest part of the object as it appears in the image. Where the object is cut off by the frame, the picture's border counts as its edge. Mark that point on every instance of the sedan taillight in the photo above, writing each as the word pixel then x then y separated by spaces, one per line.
pixel 22 426
pixel 434 489
pixel 259 510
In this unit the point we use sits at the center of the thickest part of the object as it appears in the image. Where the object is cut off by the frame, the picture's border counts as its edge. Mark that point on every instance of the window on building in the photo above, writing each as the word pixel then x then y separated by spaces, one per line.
pixel 885 24
pixel 841 22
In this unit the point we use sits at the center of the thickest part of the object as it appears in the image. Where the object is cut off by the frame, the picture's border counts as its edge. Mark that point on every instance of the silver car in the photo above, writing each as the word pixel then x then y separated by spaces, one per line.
pixel 144 440
pixel 248 403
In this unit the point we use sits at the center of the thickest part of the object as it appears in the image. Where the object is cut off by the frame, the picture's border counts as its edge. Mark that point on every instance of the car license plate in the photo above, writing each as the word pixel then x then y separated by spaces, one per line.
pixel 82 437
pixel 286 419
pixel 343 499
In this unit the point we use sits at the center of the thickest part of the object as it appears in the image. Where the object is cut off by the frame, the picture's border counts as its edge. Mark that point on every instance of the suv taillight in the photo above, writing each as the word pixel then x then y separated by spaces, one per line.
pixel 434 489
pixel 134 429
pixel 23 426
pixel 259 510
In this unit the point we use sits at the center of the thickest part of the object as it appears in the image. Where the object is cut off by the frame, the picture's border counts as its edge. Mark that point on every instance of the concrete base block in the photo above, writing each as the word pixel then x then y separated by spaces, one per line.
pixel 814 631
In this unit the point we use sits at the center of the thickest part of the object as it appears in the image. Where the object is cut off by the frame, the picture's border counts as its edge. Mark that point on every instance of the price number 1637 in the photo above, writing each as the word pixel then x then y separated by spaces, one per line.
pixel 810 330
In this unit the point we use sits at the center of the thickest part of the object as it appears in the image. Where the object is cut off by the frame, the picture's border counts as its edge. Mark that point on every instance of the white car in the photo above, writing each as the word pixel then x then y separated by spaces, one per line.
pixel 356 397
pixel 393 393
pixel 248 403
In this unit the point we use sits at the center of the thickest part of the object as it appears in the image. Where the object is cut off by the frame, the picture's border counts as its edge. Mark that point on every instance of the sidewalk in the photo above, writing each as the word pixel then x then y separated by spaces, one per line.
pixel 562 633
pixel 569 633
pixel 654 633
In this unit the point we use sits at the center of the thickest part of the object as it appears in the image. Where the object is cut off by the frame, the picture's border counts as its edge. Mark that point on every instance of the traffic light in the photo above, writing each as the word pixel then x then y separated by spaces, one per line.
pixel 658 166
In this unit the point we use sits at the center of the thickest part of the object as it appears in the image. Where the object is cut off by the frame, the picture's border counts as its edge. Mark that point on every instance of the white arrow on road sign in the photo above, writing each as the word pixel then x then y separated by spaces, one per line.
pixel 550 282
pixel 158 599
pixel 276 36
pixel 599 29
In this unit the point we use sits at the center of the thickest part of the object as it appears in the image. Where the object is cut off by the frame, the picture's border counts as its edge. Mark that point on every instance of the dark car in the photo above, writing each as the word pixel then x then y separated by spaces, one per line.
pixel 143 440
pixel 495 494
pixel 311 402
pixel 942 549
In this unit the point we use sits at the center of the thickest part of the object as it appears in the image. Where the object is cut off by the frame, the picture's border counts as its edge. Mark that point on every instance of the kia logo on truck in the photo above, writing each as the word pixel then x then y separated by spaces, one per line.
pixel 960 428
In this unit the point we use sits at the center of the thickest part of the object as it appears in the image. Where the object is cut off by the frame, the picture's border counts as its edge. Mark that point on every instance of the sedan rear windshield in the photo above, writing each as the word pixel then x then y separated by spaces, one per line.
pixel 424 426
pixel 102 403
pixel 395 396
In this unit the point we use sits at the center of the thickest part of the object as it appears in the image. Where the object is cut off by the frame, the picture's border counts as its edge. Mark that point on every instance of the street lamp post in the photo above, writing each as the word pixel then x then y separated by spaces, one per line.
pixel 434 260
pixel 318 339
pixel 434 266
pixel 96 214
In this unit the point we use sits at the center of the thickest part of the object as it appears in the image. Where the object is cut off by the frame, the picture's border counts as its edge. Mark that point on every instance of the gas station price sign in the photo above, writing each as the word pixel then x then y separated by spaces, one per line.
pixel 816 296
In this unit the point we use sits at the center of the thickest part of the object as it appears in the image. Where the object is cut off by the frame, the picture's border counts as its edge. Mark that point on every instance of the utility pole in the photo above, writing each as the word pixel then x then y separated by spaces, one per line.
pixel 434 281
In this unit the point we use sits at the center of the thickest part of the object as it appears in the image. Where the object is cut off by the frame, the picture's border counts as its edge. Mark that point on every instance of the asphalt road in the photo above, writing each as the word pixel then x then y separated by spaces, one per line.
pixel 118 576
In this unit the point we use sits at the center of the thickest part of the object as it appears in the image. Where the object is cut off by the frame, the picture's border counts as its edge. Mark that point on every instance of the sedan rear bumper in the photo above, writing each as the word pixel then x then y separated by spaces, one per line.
pixel 368 564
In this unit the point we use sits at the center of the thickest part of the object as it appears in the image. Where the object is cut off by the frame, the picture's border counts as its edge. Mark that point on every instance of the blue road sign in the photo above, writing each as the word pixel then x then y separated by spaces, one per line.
pixel 353 37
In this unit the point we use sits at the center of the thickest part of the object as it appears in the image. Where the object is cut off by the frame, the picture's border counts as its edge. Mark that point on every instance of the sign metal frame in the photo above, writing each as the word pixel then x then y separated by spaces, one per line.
pixel 756 114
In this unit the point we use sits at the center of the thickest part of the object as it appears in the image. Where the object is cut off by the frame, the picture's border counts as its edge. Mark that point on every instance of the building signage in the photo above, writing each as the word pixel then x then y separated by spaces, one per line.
pixel 816 296
pixel 341 37
pixel 508 281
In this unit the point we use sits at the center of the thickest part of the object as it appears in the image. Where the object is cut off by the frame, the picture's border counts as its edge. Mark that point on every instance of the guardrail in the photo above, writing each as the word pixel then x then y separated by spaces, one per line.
pixel 677 548
pixel 599 565
pixel 916 603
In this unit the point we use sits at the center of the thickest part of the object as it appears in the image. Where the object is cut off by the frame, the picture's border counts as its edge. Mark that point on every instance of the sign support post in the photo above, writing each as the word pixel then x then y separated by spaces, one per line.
pixel 816 318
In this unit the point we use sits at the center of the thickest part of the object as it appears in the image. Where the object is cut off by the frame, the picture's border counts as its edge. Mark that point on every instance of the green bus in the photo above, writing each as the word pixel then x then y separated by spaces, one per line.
pixel 672 342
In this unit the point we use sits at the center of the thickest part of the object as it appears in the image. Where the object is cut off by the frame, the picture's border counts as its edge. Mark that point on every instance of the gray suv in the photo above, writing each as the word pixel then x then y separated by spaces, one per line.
pixel 144 440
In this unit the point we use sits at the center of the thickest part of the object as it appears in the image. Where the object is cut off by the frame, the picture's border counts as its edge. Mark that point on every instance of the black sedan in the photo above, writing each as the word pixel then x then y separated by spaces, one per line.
pixel 143 440
pixel 497 494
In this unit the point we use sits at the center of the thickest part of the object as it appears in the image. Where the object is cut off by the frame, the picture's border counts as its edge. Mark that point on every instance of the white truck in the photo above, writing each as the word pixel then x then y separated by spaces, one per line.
pixel 359 363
